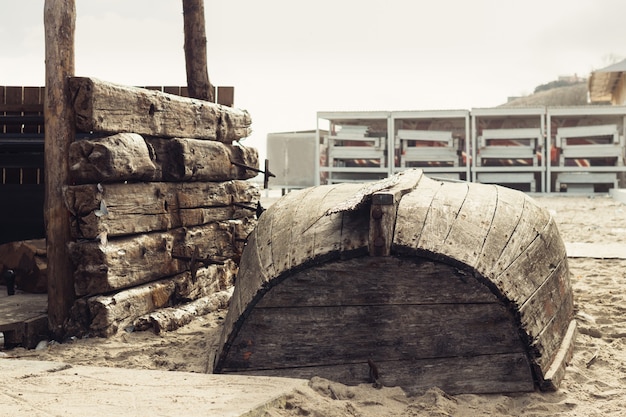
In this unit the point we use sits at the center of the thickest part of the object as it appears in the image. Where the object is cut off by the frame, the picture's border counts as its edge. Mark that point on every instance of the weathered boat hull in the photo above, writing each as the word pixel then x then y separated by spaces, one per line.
pixel 458 285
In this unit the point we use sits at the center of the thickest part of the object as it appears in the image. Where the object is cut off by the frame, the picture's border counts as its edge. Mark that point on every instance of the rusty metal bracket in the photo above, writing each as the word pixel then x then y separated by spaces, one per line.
pixel 266 171
pixel 195 259
pixel 258 209
pixel 384 209
pixel 382 218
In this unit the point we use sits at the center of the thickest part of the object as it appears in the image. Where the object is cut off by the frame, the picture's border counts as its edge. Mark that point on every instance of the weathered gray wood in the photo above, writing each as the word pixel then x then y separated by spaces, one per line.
pixel 121 157
pixel 532 222
pixel 327 232
pixel 444 209
pixel 297 238
pixel 93 226
pixel 122 263
pixel 471 227
pixel 378 281
pixel 265 239
pixel 208 280
pixel 507 214
pixel 121 209
pixel 312 234
pixel 111 313
pixel 354 233
pixel 541 307
pixel 201 160
pixel 328 316
pixel 130 157
pixel 412 212
pixel 129 261
pixel 110 108
pixel 556 372
pixel 159 197
pixel 195 50
pixel 281 233
pixel 325 335
pixel 545 346
pixel 246 287
pixel 477 375
pixel 362 195
pixel 220 240
pixel 59 22
pixel 172 318
pixel 540 257
pixel 209 194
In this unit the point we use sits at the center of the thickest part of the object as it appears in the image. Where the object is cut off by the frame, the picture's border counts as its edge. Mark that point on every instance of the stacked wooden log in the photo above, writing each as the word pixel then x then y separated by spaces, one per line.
pixel 160 212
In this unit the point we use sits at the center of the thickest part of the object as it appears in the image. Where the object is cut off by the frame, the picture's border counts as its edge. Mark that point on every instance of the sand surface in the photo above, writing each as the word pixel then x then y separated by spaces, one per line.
pixel 594 385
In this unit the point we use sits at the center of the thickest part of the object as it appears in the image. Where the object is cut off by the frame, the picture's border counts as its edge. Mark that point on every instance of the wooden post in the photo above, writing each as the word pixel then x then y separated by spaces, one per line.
pixel 59 22
pixel 195 51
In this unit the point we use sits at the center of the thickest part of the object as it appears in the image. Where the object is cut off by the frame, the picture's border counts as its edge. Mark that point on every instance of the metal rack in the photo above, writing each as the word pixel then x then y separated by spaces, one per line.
pixel 508 147
pixel 434 141
pixel 534 149
pixel 355 148
pixel 588 147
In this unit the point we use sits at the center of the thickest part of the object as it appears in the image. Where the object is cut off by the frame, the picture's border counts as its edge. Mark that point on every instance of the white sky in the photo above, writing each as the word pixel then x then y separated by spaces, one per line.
pixel 289 59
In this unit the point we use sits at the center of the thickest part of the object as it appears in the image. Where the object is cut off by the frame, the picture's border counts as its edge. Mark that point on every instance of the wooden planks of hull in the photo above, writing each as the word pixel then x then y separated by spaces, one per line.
pixel 506 373
pixel 404 314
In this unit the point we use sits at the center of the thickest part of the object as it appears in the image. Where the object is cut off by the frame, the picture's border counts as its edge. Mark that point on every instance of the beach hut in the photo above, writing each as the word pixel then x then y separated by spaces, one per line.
pixel 405 282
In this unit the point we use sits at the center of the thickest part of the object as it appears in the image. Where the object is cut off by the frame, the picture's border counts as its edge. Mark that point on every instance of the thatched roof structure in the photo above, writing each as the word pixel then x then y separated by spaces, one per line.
pixel 604 82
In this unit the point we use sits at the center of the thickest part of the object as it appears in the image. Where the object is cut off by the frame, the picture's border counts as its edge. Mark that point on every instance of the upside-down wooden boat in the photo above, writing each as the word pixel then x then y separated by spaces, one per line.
pixel 407 282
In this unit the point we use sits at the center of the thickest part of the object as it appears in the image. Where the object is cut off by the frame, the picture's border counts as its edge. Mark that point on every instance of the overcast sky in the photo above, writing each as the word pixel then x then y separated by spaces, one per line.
pixel 289 59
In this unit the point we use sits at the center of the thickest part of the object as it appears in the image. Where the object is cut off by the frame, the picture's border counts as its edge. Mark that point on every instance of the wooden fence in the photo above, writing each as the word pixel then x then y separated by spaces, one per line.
pixel 21 163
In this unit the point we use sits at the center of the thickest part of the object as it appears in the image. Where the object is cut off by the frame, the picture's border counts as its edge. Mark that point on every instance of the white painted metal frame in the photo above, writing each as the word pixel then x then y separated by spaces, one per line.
pixel 473 169
pixel 535 143
pixel 530 139
pixel 378 148
pixel 586 178
pixel 446 153
pixel 449 153
pixel 614 149
pixel 612 122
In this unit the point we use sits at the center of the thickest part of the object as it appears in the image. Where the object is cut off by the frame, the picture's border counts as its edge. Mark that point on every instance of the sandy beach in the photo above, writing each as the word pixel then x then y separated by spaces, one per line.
pixel 594 385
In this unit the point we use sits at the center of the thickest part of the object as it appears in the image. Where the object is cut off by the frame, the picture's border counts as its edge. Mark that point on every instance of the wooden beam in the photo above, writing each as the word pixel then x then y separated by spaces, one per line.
pixel 129 157
pixel 141 207
pixel 106 266
pixel 103 107
pixel 195 51
pixel 59 21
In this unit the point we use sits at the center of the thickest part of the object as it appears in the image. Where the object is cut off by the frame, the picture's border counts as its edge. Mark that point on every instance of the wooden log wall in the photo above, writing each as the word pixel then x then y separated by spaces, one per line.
pixel 22 151
pixel 159 213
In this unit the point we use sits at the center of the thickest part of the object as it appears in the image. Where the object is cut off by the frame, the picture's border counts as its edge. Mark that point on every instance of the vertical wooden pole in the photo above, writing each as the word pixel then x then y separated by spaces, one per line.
pixel 195 51
pixel 59 22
